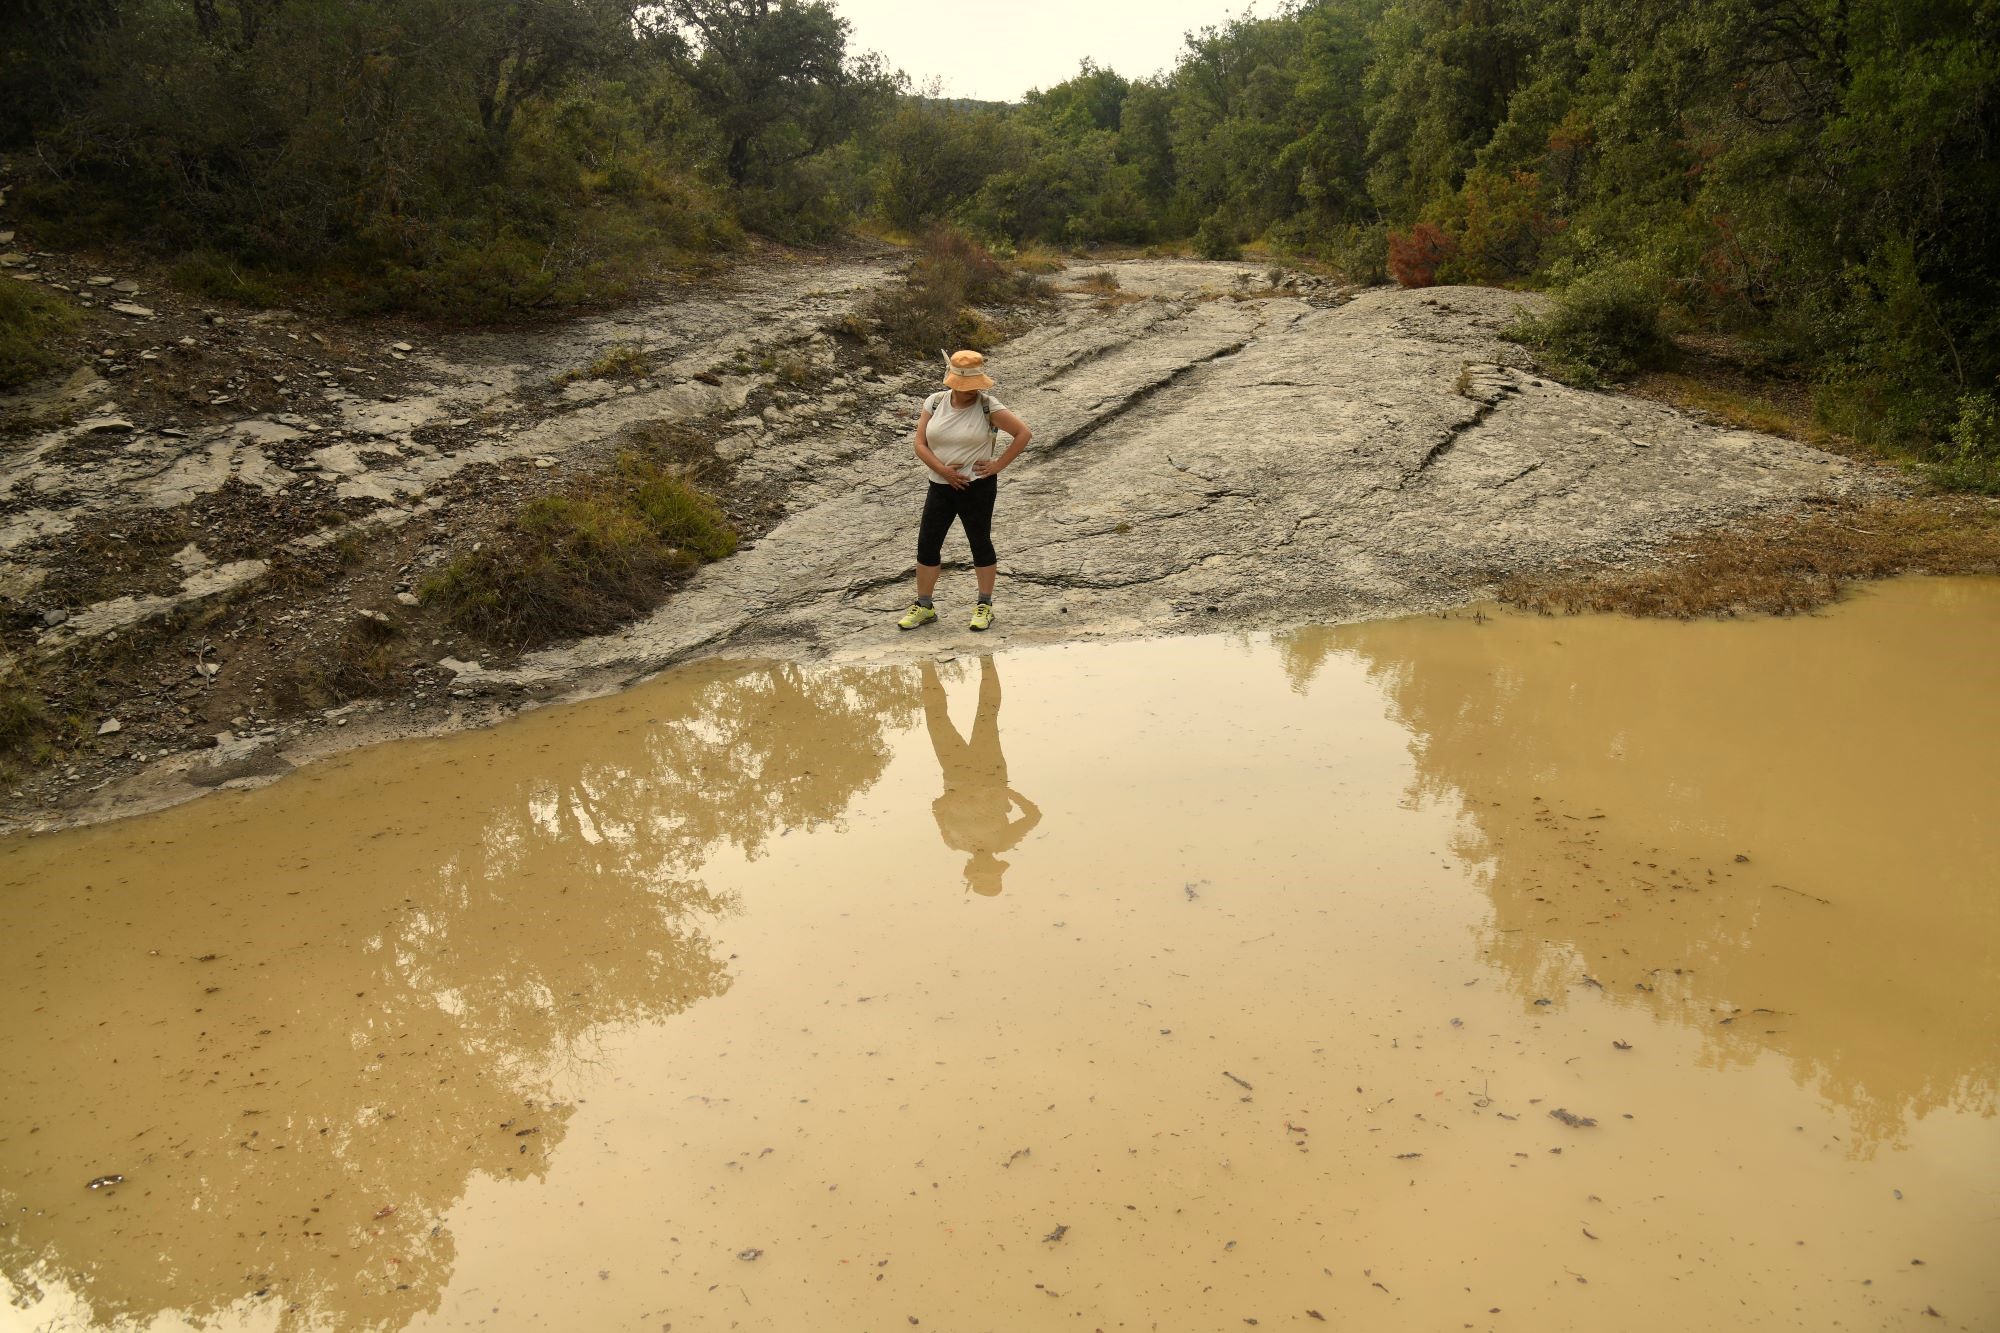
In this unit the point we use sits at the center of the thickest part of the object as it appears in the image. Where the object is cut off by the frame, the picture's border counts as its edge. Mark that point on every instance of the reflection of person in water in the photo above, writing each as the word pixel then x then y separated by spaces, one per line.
pixel 973 815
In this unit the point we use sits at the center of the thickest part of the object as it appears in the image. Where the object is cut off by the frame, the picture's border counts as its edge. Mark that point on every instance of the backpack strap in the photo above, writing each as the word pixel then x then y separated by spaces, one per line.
pixel 937 400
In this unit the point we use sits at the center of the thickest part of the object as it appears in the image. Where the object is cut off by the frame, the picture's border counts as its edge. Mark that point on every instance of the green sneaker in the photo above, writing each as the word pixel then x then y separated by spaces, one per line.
pixel 982 616
pixel 918 615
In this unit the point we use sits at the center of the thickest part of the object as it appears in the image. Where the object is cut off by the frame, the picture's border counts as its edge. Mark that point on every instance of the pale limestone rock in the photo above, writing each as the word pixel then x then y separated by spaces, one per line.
pixel 253 468
pixel 190 558
pixel 121 612
pixel 278 430
pixel 189 476
pixel 366 488
pixel 17 530
pixel 341 459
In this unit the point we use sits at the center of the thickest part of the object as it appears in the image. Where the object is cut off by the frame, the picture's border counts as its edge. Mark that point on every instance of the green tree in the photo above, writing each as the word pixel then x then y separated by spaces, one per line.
pixel 774 76
pixel 933 157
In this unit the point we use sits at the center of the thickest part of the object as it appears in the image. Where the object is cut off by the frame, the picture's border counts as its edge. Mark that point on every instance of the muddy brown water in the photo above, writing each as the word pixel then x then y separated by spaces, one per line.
pixel 1171 984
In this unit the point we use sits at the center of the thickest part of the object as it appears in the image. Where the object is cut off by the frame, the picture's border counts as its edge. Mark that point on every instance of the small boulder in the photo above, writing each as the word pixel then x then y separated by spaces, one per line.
pixel 130 310
pixel 110 727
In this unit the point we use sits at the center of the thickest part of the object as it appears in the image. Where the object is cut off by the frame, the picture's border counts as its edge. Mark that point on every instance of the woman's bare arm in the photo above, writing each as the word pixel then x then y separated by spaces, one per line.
pixel 1015 427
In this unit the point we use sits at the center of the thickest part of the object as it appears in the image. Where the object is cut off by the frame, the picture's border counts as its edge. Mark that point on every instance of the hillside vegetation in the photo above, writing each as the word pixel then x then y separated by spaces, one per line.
pixel 1814 180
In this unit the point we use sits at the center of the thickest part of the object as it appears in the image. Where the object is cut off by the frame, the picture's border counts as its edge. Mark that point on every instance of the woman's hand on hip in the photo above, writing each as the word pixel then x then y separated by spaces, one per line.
pixel 986 467
pixel 955 479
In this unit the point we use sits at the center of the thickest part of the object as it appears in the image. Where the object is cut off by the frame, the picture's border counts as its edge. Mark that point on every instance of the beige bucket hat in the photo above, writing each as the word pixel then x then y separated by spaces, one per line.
pixel 966 370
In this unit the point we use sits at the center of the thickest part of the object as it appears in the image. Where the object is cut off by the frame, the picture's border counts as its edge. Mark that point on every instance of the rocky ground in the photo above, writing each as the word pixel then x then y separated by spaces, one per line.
pixel 196 528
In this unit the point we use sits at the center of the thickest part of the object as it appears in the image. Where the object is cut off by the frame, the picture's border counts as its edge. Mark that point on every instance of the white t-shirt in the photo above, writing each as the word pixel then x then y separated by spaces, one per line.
pixel 959 436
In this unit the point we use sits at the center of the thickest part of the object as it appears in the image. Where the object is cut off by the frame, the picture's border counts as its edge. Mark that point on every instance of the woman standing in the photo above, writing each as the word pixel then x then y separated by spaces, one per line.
pixel 956 440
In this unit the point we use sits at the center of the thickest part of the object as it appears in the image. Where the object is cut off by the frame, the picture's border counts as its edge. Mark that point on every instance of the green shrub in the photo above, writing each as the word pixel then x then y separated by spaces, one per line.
pixel 954 255
pixel 684 519
pixel 951 272
pixel 24 718
pixel 1971 461
pixel 1360 254
pixel 585 562
pixel 929 313
pixel 1216 238
pixel 1604 326
pixel 207 273
pixel 33 323
pixel 478 280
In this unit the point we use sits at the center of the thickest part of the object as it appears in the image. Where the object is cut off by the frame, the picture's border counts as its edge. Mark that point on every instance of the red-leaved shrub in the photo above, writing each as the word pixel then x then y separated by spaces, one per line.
pixel 1415 258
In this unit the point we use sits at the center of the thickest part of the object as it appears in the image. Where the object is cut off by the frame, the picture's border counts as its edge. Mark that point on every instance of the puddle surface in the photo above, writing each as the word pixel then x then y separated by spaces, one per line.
pixel 1179 984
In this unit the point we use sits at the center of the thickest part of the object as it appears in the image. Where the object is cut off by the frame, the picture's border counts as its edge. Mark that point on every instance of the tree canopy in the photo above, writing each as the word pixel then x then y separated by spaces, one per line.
pixel 1817 174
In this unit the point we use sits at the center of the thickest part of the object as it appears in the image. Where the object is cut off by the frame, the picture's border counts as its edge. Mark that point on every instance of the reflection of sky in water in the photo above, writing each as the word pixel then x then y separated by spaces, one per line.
pixel 415 950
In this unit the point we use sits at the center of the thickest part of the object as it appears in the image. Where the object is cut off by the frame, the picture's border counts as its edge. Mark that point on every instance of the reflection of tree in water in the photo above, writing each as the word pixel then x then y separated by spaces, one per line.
pixel 300 1035
pixel 1638 888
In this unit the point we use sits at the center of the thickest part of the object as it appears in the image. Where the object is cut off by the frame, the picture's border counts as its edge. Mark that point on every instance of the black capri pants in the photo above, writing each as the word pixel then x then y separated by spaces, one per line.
pixel 972 507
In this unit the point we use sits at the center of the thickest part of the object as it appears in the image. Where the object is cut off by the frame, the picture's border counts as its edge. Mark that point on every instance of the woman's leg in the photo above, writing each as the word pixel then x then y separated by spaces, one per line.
pixel 940 507
pixel 975 510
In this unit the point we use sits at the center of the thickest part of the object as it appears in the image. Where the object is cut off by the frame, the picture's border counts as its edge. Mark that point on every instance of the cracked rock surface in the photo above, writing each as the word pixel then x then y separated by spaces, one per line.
pixel 1215 446
pixel 1202 461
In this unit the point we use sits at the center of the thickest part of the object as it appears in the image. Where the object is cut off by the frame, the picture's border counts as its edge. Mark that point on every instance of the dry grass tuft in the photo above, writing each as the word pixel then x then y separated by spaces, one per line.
pixel 1039 261
pixel 295 569
pixel 1104 283
pixel 795 369
pixel 1770 407
pixel 363 664
pixel 1779 564
pixel 621 360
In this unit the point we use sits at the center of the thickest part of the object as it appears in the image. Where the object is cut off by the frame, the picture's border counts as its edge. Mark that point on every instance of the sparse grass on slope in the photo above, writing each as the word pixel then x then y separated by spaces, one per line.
pixel 33 324
pixel 932 310
pixel 1779 565
pixel 583 562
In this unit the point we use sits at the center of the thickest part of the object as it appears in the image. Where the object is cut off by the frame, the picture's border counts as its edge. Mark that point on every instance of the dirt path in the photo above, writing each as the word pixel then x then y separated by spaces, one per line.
pixel 1211 449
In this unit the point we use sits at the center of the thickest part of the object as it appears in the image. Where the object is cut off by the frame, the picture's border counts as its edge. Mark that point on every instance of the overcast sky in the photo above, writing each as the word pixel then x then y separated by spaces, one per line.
pixel 996 50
